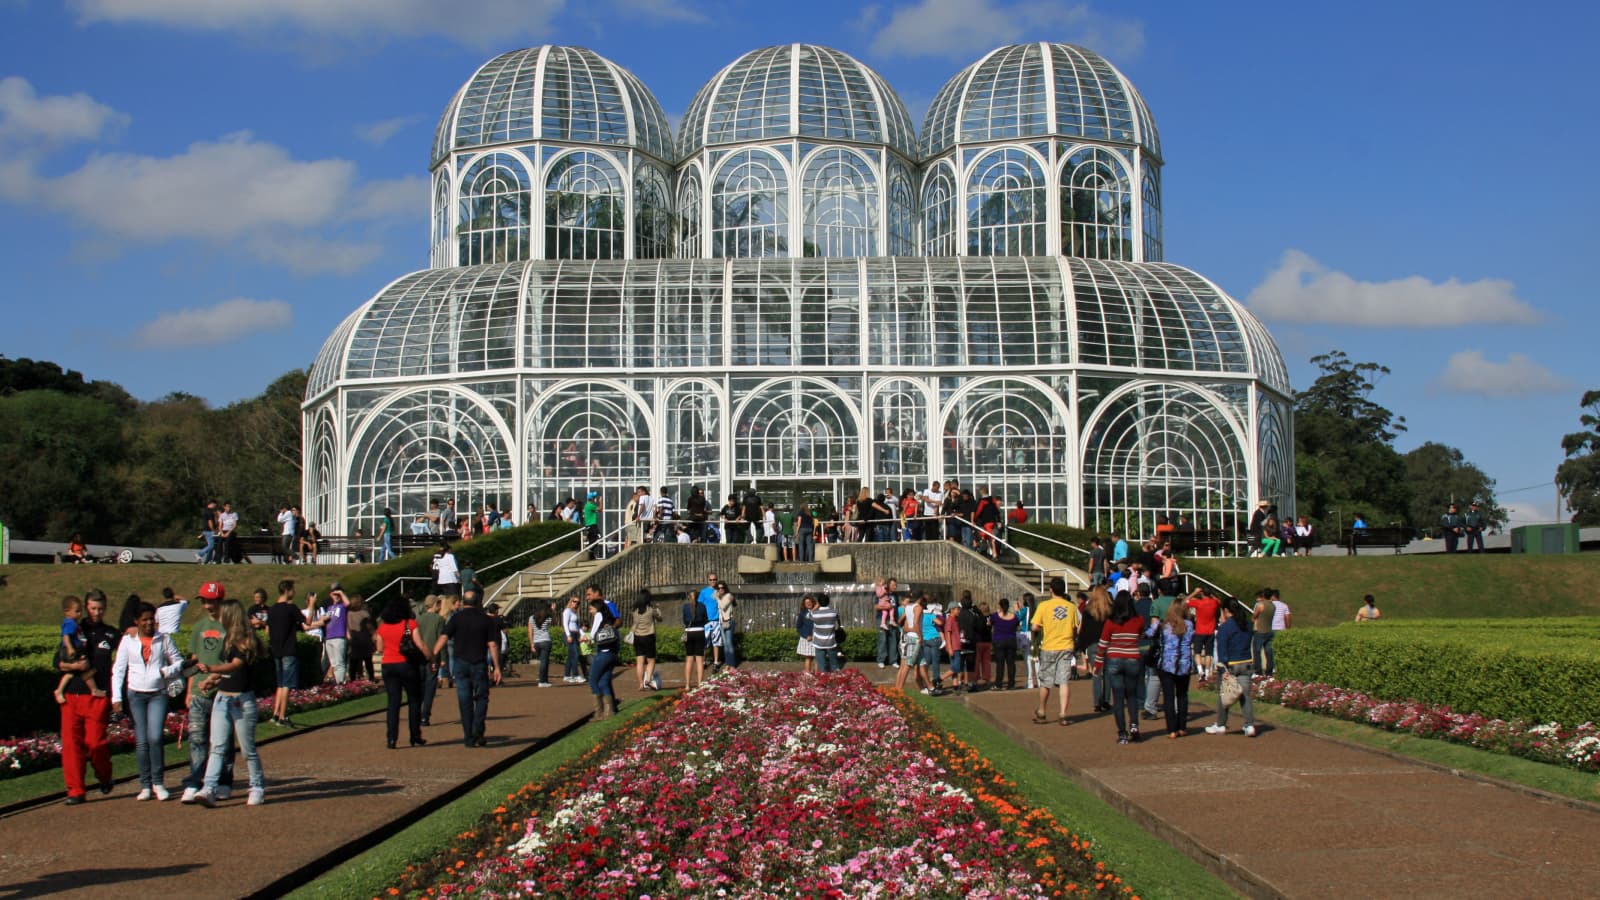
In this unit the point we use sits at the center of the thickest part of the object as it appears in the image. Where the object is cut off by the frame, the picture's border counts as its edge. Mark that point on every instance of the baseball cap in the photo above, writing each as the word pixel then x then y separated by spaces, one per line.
pixel 212 590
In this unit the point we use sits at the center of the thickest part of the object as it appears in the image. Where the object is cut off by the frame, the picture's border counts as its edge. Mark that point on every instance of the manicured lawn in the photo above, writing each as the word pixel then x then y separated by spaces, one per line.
pixel 32 593
pixel 1146 863
pixel 371 873
pixel 47 782
pixel 1325 590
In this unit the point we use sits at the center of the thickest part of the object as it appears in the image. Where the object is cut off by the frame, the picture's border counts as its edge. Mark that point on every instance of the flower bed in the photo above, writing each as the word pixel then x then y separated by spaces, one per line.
pixel 1550 742
pixel 19 756
pixel 769 785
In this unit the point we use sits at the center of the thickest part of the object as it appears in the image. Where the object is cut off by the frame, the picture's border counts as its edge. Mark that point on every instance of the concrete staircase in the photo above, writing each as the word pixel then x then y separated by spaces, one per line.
pixel 547 579
pixel 1035 570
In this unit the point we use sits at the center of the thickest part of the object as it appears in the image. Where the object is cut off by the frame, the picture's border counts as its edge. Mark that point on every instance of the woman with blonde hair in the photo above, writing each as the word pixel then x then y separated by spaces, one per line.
pixel 1095 614
pixel 234 707
pixel 1174 635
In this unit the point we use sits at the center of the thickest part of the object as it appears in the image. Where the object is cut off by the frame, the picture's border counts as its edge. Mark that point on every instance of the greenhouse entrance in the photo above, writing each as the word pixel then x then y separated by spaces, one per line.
pixel 786 494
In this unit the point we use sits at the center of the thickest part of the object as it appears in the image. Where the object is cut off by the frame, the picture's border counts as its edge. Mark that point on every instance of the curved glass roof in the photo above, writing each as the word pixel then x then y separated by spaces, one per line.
pixel 552 93
pixel 797 90
pixel 1032 90
pixel 956 313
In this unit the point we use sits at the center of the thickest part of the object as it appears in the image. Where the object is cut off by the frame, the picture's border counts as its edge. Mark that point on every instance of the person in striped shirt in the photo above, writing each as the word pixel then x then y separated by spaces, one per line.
pixel 825 634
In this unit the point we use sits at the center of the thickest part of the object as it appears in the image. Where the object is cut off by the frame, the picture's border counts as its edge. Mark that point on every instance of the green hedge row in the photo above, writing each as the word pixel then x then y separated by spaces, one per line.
pixel 28 640
pixel 1066 534
pixel 1501 671
pixel 1502 629
pixel 477 552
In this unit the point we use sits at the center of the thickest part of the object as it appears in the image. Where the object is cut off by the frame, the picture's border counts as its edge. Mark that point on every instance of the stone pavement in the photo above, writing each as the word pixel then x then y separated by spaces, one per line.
pixel 1297 815
pixel 325 788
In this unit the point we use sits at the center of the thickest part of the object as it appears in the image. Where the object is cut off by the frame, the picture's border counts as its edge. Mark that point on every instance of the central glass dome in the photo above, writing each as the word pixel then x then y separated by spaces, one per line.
pixel 797 90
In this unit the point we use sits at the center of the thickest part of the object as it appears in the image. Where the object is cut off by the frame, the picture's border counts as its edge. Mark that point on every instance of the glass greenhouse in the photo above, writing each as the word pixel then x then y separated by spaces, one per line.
pixel 800 296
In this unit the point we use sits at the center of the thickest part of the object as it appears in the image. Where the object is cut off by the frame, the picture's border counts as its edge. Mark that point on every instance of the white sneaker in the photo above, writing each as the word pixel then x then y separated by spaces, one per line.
pixel 206 799
pixel 189 795
pixel 224 792
pixel 926 691
pixel 544 684
pixel 257 797
pixel 1249 731
pixel 144 794
pixel 1216 729
pixel 161 792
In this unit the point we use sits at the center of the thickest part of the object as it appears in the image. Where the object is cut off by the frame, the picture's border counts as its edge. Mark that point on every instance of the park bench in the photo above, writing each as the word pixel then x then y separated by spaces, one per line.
pixel 1202 542
pixel 1395 537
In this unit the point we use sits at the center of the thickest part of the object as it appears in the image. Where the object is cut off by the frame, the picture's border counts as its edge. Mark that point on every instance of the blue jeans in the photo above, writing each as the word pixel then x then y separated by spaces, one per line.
pixel 729 658
pixel 1261 652
pixel 543 652
pixel 575 661
pixel 888 648
pixel 805 545
pixel 387 553
pixel 472 695
pixel 200 744
pixel 600 673
pixel 209 553
pixel 828 659
pixel 236 715
pixel 1124 677
pixel 149 714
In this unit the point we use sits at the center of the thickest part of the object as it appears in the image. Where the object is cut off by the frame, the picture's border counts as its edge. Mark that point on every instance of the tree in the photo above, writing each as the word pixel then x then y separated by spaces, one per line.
pixel 1579 476
pixel 1344 453
pixel 1438 476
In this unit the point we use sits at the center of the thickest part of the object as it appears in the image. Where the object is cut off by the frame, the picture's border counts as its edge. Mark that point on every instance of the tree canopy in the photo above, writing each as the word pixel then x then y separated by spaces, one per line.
pixel 1578 476
pixel 85 457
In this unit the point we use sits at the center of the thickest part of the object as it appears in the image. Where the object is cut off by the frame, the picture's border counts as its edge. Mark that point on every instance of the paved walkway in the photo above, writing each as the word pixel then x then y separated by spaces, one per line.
pixel 1296 815
pixel 325 788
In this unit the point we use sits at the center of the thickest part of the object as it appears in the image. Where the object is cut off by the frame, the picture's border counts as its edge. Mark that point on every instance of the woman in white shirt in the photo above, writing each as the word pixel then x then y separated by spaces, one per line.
pixel 145 660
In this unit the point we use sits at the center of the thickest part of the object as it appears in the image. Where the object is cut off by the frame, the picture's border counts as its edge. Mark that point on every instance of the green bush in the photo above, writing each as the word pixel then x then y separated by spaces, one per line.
pixel 28 640
pixel 26 683
pixel 1506 671
pixel 1066 534
pixel 478 552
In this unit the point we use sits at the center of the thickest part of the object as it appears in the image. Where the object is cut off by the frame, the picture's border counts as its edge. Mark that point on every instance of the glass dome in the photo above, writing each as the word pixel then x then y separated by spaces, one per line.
pixel 552 93
pixel 1034 90
pixel 797 90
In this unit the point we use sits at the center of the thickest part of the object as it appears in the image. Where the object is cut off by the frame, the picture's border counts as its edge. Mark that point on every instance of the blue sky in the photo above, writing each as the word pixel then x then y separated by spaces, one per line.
pixel 194 192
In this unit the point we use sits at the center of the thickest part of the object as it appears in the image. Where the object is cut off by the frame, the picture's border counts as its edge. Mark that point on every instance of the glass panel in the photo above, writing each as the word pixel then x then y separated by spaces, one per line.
pixel 840 205
pixel 1006 209
pixel 494 208
pixel 583 208
pixel 750 206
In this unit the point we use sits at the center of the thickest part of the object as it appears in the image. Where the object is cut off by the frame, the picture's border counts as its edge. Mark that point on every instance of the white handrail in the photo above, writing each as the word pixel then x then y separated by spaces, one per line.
pixel 554 540
pixel 1034 534
pixel 375 594
pixel 549 576
pixel 980 534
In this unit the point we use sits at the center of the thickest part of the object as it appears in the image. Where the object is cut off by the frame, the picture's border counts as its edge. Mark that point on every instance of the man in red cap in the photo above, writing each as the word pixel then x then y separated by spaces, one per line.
pixel 205 648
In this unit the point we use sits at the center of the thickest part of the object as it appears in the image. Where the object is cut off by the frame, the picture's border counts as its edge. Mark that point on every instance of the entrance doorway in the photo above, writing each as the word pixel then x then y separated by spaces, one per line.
pixel 786 494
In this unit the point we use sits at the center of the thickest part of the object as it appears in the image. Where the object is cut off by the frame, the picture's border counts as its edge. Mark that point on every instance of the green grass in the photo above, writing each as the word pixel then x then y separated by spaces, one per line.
pixel 1526 772
pixel 1326 590
pixel 32 593
pixel 47 782
pixel 1150 866
pixel 374 871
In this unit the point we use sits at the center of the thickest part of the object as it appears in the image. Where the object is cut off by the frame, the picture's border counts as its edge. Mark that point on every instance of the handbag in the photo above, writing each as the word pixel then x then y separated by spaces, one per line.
pixel 174 684
pixel 409 648
pixel 1152 653
pixel 1229 689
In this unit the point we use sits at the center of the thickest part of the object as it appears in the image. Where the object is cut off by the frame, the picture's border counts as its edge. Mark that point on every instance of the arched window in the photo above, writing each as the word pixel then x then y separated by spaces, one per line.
pixel 322 479
pixel 1152 216
pixel 900 435
pixel 588 437
pixel 583 208
pixel 1160 450
pixel 1006 208
pixel 841 205
pixel 495 205
pixel 689 216
pixel 1096 206
pixel 1276 454
pixel 1010 436
pixel 939 214
pixel 694 430
pixel 796 428
pixel 902 215
pixel 750 207
pixel 652 215
pixel 441 219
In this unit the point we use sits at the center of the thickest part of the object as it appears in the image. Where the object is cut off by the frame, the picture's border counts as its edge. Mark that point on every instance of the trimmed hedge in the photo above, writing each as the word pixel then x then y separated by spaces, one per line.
pixel 475 553
pixel 1066 534
pixel 28 640
pixel 1511 670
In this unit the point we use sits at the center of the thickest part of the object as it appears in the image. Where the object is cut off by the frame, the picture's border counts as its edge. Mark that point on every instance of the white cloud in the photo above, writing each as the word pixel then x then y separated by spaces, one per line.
pixel 1469 372
pixel 1526 512
pixel 660 10
pixel 963 29
pixel 28 119
pixel 236 190
pixel 478 22
pixel 378 133
pixel 1304 290
pixel 220 324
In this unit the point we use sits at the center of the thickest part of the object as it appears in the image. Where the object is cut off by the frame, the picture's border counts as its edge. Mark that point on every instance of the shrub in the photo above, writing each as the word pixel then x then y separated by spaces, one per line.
pixel 477 552
pixel 25 686
pixel 1066 534
pixel 1505 671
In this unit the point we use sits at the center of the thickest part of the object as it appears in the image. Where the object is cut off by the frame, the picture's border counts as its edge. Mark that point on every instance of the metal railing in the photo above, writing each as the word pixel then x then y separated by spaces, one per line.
pixel 1017 529
pixel 371 599
pixel 978 534
pixel 550 576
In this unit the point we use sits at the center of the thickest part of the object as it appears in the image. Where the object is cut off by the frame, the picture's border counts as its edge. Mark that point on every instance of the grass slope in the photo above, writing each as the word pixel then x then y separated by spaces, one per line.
pixel 1146 863
pixel 32 593
pixel 1325 590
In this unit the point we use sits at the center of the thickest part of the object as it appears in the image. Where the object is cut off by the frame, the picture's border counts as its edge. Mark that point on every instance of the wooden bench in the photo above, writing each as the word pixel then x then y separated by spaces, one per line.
pixel 1395 537
pixel 1202 542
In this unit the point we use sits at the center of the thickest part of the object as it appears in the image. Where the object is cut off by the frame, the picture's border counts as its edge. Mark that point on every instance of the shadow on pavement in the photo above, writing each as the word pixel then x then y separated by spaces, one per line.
pixel 56 882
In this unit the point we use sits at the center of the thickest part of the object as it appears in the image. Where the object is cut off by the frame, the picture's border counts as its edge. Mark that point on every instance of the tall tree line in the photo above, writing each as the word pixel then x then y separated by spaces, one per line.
pixel 86 457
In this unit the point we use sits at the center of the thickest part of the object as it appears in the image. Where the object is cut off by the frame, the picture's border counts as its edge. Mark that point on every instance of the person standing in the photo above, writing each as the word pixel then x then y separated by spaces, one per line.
pixel 1282 620
pixel 1206 610
pixel 145 660
pixel 1234 654
pixel 1454 526
pixel 591 524
pixel 1174 637
pixel 1261 630
pixel 540 622
pixel 476 663
pixel 802 627
pixel 708 599
pixel 169 615
pixel 85 714
pixel 386 536
pixel 287 540
pixel 727 617
pixel 284 625
pixel 577 668
pixel 646 616
pixel 429 626
pixel 402 670
pixel 1119 661
pixel 205 646
pixel 336 634
pixel 825 635
pixel 694 642
pixel 1095 613
pixel 446 574
pixel 1056 623
pixel 362 629
pixel 234 709
pixel 1472 523
pixel 805 535
pixel 1097 562
pixel 227 549
pixel 603 635
pixel 1003 631
pixel 208 533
